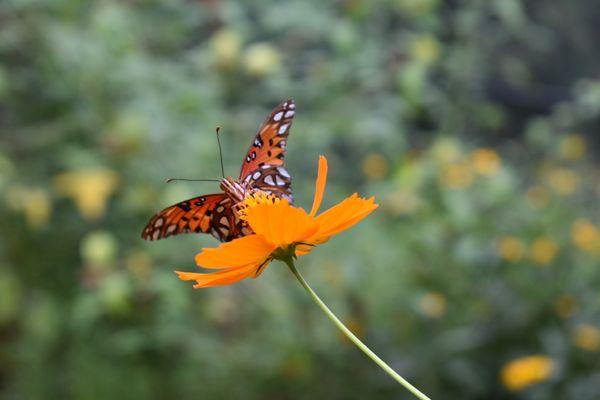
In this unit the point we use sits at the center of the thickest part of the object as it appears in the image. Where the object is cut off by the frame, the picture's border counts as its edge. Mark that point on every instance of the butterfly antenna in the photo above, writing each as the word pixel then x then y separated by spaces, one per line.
pixel 191 180
pixel 218 129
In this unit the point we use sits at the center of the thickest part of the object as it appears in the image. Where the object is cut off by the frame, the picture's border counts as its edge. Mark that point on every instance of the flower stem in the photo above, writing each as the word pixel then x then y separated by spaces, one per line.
pixel 351 336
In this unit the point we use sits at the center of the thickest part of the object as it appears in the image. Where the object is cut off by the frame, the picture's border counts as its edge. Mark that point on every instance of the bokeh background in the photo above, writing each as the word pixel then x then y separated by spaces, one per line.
pixel 474 123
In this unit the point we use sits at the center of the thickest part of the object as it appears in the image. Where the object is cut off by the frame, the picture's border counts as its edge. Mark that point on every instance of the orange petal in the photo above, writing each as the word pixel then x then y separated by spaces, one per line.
pixel 319 185
pixel 280 224
pixel 224 277
pixel 251 249
pixel 342 216
pixel 303 249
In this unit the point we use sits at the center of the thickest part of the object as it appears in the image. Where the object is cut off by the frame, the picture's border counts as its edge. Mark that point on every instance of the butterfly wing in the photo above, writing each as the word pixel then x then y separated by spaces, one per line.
pixel 211 213
pixel 272 179
pixel 263 165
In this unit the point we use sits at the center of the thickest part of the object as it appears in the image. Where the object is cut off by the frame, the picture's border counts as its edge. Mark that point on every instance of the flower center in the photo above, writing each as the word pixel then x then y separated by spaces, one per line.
pixel 254 199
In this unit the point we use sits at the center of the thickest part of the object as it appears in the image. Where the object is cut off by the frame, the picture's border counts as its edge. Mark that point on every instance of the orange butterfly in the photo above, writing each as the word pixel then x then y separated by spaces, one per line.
pixel 262 169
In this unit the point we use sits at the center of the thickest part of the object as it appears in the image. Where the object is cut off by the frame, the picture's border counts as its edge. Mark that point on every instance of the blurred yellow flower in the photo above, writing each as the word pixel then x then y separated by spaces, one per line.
pixel 510 248
pixel 262 59
pixel 33 202
pixel 485 161
pixel 562 181
pixel 543 250
pixel 565 306
pixel 586 337
pixel 425 49
pixel 375 166
pixel 586 236
pixel 537 196
pixel 433 304
pixel 572 147
pixel 446 150
pixel 89 189
pixel 226 45
pixel 458 175
pixel 526 371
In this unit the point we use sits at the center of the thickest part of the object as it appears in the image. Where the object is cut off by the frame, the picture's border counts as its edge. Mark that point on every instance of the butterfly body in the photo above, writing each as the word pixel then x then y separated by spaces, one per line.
pixel 262 169
pixel 235 190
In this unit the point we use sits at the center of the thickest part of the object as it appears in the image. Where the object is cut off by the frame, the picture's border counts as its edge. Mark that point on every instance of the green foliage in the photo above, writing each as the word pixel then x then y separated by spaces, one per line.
pixel 474 123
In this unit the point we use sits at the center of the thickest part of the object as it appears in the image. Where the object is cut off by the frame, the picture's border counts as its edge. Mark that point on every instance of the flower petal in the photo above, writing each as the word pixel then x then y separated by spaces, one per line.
pixel 251 249
pixel 224 277
pixel 303 249
pixel 319 185
pixel 342 216
pixel 280 224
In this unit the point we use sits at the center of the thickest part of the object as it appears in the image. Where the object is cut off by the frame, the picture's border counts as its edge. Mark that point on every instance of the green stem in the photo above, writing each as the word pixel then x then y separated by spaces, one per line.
pixel 350 335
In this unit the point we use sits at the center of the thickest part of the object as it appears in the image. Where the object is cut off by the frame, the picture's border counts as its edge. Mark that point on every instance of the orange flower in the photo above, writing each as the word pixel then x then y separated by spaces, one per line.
pixel 527 371
pixel 280 231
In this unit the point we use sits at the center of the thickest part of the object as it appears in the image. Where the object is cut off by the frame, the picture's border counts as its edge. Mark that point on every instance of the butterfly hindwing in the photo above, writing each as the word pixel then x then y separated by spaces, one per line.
pixel 268 146
pixel 272 179
pixel 211 213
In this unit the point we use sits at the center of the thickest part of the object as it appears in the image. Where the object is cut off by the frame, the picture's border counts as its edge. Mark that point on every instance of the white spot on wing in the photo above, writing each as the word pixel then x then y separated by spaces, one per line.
pixel 280 182
pixel 224 221
pixel 277 117
pixel 282 129
pixel 159 223
pixel 155 234
pixel 283 172
pixel 171 228
pixel 269 180
pixel 289 114
pixel 220 209
pixel 256 175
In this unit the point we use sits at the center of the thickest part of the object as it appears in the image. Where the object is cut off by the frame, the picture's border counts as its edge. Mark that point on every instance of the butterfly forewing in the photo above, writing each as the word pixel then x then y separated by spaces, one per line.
pixel 211 213
pixel 268 146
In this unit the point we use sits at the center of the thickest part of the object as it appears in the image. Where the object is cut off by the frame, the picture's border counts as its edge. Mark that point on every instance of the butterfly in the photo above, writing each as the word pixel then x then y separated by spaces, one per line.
pixel 262 169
